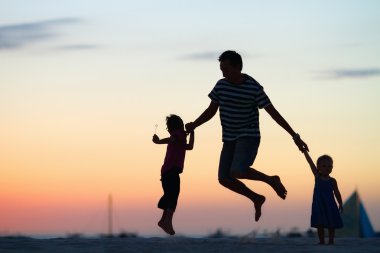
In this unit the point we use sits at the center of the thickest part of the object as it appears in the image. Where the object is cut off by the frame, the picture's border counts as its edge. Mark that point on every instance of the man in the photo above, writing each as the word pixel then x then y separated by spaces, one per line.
pixel 238 98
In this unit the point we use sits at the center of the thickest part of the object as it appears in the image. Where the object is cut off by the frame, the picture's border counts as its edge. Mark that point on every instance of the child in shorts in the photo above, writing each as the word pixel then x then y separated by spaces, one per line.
pixel 172 167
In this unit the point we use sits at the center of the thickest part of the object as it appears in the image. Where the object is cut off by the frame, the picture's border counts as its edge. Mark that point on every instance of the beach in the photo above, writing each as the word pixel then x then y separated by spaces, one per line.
pixel 184 244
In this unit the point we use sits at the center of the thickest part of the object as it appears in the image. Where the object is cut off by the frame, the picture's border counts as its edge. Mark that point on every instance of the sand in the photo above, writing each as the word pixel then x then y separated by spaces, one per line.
pixel 184 244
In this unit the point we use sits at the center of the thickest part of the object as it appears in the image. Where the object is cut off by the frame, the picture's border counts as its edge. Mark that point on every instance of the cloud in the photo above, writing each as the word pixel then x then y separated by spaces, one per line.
pixel 349 73
pixel 21 35
pixel 77 47
pixel 213 56
pixel 202 56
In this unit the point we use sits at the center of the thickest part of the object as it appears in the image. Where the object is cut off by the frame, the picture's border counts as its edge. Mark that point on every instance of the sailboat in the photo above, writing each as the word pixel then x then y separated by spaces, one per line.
pixel 355 219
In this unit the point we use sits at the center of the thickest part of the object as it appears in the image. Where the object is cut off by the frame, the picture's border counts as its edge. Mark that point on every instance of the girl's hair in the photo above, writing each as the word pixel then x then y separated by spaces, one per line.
pixel 324 158
pixel 174 122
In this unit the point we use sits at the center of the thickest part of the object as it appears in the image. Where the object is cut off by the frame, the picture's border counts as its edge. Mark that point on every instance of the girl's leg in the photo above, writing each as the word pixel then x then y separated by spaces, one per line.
pixel 166 222
pixel 331 235
pixel 173 190
pixel 321 235
pixel 164 215
pixel 163 202
pixel 171 185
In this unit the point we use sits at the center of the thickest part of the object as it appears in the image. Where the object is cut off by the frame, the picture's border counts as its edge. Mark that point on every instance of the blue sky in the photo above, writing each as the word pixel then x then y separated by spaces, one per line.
pixel 322 39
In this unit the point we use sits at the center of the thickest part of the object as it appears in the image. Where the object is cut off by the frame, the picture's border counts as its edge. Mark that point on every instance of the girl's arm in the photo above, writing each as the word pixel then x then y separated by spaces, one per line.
pixel 157 140
pixel 311 163
pixel 190 145
pixel 337 194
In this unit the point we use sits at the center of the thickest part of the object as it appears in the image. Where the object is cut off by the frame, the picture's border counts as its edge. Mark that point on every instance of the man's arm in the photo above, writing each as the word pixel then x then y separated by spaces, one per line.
pixel 190 145
pixel 204 117
pixel 276 116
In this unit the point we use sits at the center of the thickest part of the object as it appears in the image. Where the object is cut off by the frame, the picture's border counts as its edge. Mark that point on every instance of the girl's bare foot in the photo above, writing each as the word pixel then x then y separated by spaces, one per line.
pixel 166 226
pixel 258 202
pixel 278 186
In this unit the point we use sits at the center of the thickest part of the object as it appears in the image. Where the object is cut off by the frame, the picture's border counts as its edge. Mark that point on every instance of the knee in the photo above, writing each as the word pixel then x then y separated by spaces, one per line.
pixel 237 174
pixel 224 181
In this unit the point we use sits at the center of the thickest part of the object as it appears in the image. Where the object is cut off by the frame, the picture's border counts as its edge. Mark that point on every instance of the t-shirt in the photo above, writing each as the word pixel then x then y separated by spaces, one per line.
pixel 175 152
pixel 238 107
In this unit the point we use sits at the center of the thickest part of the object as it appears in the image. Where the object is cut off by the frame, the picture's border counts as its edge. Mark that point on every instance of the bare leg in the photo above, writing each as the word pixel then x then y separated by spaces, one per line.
pixel 238 187
pixel 166 221
pixel 321 235
pixel 164 213
pixel 331 235
pixel 273 181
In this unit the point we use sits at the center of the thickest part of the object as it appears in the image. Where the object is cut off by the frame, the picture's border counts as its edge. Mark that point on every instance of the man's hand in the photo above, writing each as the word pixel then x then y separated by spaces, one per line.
pixel 189 127
pixel 302 146
pixel 155 139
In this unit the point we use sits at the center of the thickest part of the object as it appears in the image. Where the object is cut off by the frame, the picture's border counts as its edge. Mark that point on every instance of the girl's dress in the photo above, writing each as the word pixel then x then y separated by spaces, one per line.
pixel 325 211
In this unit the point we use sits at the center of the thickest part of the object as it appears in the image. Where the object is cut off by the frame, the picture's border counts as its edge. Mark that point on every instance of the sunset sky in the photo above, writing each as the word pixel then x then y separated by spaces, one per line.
pixel 83 83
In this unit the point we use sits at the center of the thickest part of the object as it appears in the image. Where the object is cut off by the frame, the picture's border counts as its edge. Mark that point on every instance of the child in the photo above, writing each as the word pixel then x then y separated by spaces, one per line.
pixel 325 212
pixel 172 167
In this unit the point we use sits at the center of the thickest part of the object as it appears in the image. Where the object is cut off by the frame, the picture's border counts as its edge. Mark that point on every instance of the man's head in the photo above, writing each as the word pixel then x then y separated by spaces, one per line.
pixel 230 63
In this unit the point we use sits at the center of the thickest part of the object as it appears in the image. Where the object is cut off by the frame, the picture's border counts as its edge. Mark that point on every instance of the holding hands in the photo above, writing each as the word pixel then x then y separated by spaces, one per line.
pixel 190 127
pixel 302 146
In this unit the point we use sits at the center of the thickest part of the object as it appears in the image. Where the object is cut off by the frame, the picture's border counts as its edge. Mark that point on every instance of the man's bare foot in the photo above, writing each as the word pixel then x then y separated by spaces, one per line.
pixel 166 226
pixel 278 186
pixel 258 202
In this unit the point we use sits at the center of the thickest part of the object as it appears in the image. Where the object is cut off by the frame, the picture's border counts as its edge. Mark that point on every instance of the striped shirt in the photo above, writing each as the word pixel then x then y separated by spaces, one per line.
pixel 238 107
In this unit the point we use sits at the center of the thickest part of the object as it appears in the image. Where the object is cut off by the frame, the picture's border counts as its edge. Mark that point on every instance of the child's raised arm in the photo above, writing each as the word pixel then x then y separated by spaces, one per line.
pixel 190 145
pixel 157 140
pixel 311 163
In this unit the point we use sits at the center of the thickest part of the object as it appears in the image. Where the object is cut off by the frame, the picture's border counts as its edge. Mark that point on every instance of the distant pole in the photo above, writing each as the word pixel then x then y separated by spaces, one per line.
pixel 110 211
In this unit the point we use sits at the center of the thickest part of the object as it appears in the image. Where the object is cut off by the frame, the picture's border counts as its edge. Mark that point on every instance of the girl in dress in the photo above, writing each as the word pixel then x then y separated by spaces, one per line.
pixel 325 212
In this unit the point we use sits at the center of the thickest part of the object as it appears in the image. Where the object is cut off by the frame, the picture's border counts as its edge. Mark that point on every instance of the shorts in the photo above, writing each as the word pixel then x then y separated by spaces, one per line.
pixel 171 185
pixel 238 156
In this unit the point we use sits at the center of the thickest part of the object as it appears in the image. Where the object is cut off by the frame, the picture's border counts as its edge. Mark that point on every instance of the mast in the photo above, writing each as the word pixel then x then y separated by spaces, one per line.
pixel 110 215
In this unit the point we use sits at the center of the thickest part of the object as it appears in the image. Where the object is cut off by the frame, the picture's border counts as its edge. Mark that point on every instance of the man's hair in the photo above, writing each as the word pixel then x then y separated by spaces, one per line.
pixel 324 158
pixel 233 57
pixel 174 122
